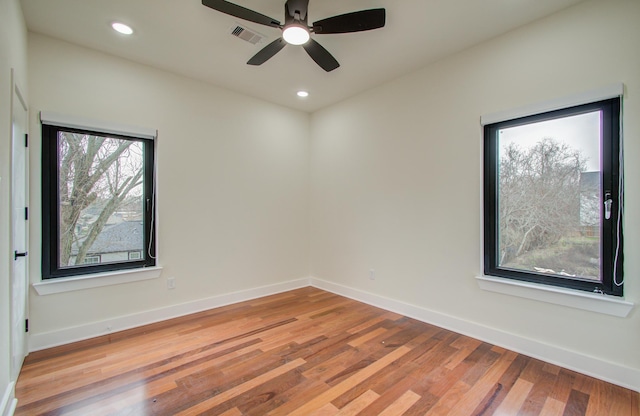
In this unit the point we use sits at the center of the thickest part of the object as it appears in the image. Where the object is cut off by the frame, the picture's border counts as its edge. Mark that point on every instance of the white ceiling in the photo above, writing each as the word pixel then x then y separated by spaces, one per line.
pixel 185 37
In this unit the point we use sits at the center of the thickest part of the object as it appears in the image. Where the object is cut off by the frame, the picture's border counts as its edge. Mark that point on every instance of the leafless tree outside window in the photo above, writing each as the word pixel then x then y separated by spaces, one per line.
pixel 97 176
pixel 541 205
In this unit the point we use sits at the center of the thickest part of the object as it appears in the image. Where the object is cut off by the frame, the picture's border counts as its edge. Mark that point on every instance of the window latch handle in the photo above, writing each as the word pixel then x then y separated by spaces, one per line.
pixel 607 205
pixel 16 254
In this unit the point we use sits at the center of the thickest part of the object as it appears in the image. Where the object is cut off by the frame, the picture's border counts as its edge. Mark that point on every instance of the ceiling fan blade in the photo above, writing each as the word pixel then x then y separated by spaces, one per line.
pixel 320 55
pixel 241 12
pixel 351 22
pixel 267 52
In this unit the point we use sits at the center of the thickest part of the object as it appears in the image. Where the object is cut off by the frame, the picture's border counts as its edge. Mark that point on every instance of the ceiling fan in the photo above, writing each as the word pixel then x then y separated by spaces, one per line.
pixel 296 31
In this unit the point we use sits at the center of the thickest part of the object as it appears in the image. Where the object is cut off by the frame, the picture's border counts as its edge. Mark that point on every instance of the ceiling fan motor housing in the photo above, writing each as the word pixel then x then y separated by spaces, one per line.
pixel 296 11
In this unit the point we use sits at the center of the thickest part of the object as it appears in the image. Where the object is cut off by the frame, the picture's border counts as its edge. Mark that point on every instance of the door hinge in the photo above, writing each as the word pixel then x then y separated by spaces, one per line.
pixel 26 325
pixel 26 140
pixel 26 213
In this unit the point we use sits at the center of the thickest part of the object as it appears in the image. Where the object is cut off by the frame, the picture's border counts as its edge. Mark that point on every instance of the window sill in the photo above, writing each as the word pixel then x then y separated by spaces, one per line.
pixel 61 285
pixel 593 302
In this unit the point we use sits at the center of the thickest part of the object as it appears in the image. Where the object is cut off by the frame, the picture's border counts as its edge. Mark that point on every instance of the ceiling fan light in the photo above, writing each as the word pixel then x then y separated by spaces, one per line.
pixel 295 34
pixel 122 28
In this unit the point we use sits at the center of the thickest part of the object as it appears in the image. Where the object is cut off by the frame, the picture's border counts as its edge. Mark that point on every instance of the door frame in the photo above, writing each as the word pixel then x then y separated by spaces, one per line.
pixel 18 95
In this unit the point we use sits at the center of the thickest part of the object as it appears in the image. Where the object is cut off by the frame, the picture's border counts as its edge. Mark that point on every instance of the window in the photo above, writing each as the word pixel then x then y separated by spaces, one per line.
pixel 97 201
pixel 553 198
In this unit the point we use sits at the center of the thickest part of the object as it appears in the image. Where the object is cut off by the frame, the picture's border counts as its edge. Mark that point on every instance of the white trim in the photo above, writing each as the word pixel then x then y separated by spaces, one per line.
pixel 9 401
pixel 591 366
pixel 88 281
pixel 65 336
pixel 12 408
pixel 55 119
pixel 604 93
pixel 593 302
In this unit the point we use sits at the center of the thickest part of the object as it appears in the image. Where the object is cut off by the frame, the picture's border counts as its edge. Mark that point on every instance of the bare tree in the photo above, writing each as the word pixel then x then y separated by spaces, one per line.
pixel 539 196
pixel 94 172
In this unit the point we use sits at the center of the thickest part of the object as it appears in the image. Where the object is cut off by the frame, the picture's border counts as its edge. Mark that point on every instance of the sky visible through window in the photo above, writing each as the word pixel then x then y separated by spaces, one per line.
pixel 580 132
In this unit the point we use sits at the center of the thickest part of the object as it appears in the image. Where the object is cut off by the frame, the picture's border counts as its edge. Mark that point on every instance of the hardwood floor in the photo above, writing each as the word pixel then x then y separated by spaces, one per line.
pixel 304 352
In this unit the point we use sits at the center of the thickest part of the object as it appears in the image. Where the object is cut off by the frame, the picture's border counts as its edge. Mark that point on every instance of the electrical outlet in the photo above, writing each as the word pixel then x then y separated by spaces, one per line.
pixel 372 274
pixel 171 283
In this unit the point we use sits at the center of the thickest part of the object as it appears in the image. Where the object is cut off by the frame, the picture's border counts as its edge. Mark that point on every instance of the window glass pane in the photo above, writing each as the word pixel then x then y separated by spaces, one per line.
pixel 549 197
pixel 101 199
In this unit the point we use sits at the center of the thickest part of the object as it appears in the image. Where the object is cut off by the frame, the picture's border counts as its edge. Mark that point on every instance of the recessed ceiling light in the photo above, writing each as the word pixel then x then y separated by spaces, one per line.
pixel 302 94
pixel 122 28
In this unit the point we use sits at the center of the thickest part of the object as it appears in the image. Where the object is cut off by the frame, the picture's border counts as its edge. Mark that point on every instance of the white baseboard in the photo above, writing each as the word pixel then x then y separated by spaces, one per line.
pixel 95 329
pixel 594 367
pixel 9 402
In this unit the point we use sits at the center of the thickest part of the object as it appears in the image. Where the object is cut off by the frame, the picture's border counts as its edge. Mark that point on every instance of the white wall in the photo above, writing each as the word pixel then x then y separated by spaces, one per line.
pixel 13 54
pixel 233 182
pixel 396 177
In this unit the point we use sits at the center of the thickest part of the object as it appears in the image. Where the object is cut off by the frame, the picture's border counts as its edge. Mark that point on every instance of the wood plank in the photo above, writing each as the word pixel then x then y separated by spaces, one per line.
pixel 552 407
pixel 232 412
pixel 285 402
pixel 577 404
pixel 541 389
pixel 440 379
pixel 449 400
pixel 563 385
pixel 401 405
pixel 390 316
pixel 613 399
pixel 357 378
pixel 476 394
pixel 359 403
pixel 392 380
pixel 366 337
pixel 226 395
pixel 514 400
pixel 422 406
pixel 326 410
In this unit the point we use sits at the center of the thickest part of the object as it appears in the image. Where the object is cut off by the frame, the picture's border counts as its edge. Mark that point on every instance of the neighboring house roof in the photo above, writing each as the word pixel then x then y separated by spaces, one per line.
pixel 589 181
pixel 124 236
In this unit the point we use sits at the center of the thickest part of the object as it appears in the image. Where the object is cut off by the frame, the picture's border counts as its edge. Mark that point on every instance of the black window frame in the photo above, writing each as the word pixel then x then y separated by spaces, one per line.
pixel 50 206
pixel 610 231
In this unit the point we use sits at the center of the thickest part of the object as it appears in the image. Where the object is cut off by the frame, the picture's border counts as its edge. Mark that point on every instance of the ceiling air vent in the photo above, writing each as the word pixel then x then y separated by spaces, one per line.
pixel 246 34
